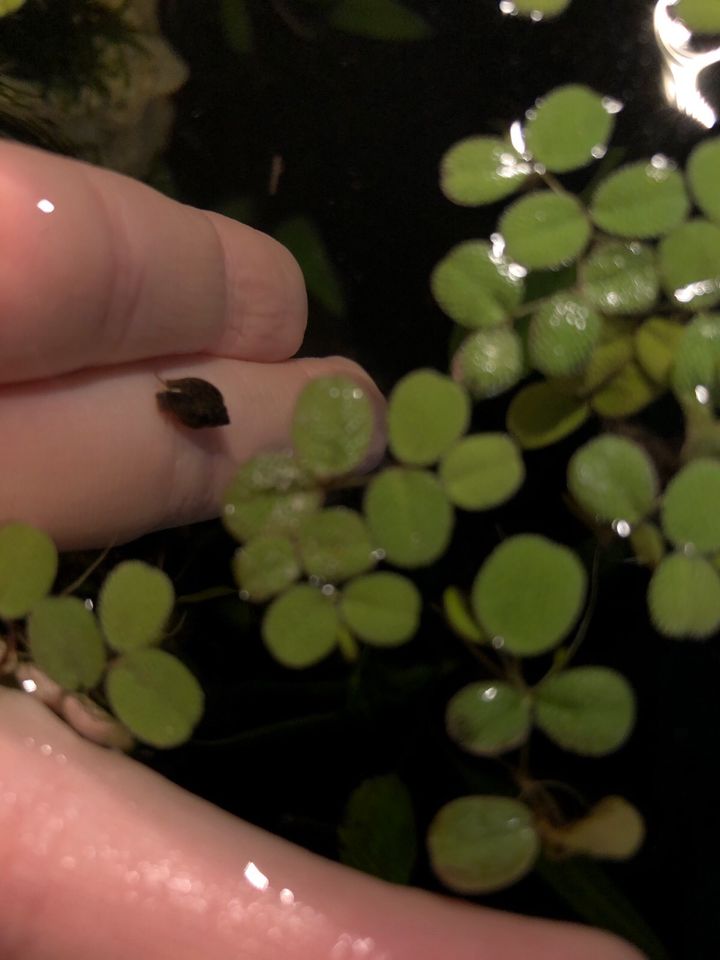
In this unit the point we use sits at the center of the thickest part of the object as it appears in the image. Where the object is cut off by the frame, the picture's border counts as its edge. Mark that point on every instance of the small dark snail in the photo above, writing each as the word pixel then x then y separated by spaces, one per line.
pixel 194 402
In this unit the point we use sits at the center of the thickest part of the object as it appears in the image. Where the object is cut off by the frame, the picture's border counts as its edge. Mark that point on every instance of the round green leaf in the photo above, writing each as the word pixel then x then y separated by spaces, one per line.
pixel 645 199
pixel 265 566
pixel 563 333
pixel 684 597
pixel 28 564
pixel 648 545
pixel 477 287
pixel 613 830
pixel 545 229
pixel 694 374
pixel 271 493
pixel 541 414
pixel 155 696
pixel 332 426
pixel 700 15
pixel 378 20
pixel 690 264
pixel 300 627
pixel 427 413
pixel 702 168
pixel 613 479
pixel 569 128
pixel 383 609
pixel 528 594
pixel 335 544
pixel 691 506
pixel 479 844
pixel 489 362
pixel 656 343
pixel 481 170
pixel 612 352
pixel 628 392
pixel 620 278
pixel 537 9
pixel 409 515
pixel 587 710
pixel 458 616
pixel 482 471
pixel 65 642
pixel 134 605
pixel 488 718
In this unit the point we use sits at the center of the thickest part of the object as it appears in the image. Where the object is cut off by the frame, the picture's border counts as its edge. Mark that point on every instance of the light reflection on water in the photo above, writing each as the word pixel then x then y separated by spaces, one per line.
pixel 682 65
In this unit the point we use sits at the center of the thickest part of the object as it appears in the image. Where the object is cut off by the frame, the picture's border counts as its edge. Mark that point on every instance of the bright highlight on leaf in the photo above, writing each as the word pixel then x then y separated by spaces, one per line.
pixel 134 605
pixel 569 128
pixel 427 413
pixel 409 515
pixel 335 544
pixel 542 414
pixel 383 609
pixel 332 426
pixel 300 627
pixel 272 493
pixel 563 334
pixel 265 566
pixel 645 199
pixel 488 718
pixel 545 229
pixel 477 287
pixel 482 471
pixel 528 594
pixel 684 597
pixel 489 362
pixel 613 479
pixel 66 643
pixel 620 278
pixel 155 696
pixel 690 265
pixel 481 170
pixel 587 710
pixel 479 844
pixel 28 565
pixel 691 507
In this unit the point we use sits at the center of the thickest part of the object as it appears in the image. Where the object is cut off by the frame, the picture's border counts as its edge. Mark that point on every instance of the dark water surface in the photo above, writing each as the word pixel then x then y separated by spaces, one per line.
pixel 360 126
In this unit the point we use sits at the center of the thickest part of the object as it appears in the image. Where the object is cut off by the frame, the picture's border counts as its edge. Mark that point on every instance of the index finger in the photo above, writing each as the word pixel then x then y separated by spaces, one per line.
pixel 98 268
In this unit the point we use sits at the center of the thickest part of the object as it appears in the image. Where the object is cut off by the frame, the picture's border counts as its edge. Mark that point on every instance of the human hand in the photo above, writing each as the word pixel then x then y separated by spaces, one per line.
pixel 100 857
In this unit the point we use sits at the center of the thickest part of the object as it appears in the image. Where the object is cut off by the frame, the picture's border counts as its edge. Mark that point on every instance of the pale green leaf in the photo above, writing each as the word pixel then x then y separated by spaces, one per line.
pixel 563 334
pixel 265 566
pixel 134 605
pixel 613 479
pixel 644 199
pixel 427 413
pixel 489 362
pixel 300 627
pixel 542 414
pixel 689 259
pixel 612 830
pixel 691 507
pixel 702 170
pixel 475 286
pixel 545 229
pixel 28 565
pixel 478 844
pixel 587 710
pixel 488 718
pixel 335 544
pixel 620 278
pixel 383 609
pixel 656 343
pixel 66 643
pixel 684 597
pixel 482 471
pixel 702 16
pixel 481 170
pixel 568 128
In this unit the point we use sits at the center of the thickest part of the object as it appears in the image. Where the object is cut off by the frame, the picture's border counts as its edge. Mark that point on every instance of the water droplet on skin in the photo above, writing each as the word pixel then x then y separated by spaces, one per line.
pixel 29 686
pixel 45 205
pixel 287 897
pixel 255 877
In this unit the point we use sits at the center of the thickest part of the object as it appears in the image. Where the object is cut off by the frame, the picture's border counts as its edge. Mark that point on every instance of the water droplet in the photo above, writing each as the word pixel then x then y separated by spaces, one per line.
pixel 29 686
pixel 327 590
pixel 536 16
pixel 255 877
pixel 517 138
pixel 45 205
pixel 598 151
pixel 287 897
pixel 540 169
pixel 489 695
pixel 622 528
pixel 88 604
pixel 702 394
pixel 508 8
pixel 498 643
pixel 611 105
pixel 378 554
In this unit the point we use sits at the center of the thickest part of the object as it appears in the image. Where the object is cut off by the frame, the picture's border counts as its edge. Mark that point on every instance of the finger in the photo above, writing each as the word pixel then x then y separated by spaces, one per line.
pixel 91 460
pixel 98 268
pixel 100 857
